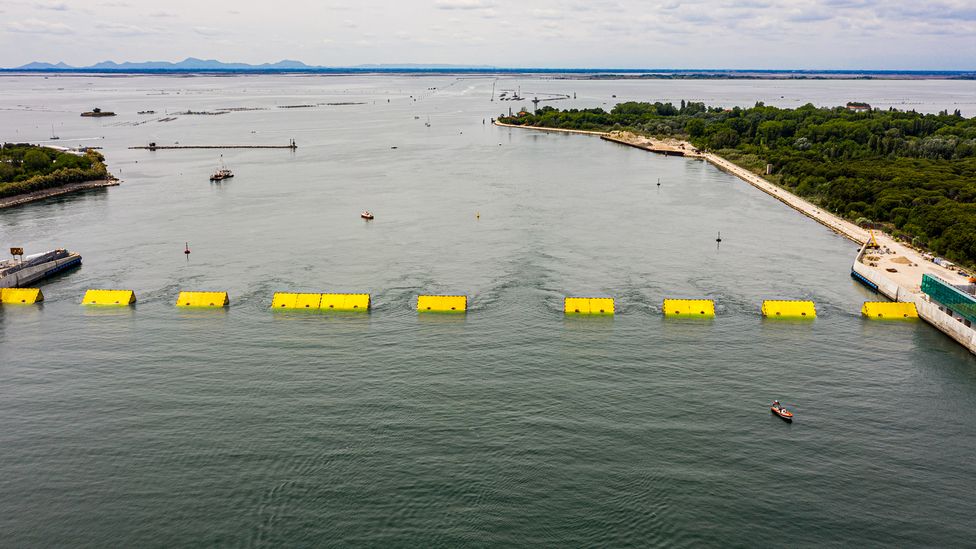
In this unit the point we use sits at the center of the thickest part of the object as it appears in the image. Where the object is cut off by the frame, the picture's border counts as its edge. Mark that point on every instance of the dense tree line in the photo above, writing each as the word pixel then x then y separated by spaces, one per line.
pixel 913 173
pixel 26 168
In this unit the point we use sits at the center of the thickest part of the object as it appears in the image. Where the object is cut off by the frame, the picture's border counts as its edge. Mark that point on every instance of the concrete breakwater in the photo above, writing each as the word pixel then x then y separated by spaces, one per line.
pixel 160 147
pixel 937 315
pixel 34 196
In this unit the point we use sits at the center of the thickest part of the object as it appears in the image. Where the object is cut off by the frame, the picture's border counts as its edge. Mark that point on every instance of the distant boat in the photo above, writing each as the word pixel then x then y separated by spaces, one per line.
pixel 54 136
pixel 96 112
pixel 222 172
pixel 367 215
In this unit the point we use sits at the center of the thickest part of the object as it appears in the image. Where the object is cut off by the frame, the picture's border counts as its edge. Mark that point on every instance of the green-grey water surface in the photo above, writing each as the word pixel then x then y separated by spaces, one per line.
pixel 509 425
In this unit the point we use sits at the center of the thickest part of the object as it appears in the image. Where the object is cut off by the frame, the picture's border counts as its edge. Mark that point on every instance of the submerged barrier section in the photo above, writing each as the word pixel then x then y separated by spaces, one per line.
pixel 325 302
pixel 442 303
pixel 288 300
pixel 20 296
pixel 889 309
pixel 789 309
pixel 689 307
pixel 588 305
pixel 345 302
pixel 202 299
pixel 109 297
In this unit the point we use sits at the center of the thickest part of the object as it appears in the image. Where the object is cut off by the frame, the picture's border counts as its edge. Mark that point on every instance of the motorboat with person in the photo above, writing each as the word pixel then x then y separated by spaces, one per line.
pixel 781 411
pixel 367 215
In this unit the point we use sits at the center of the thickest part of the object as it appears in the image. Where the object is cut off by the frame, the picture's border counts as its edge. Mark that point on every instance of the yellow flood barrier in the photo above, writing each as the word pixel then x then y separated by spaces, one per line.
pixel 20 296
pixel 202 299
pixel 689 307
pixel 588 305
pixel 345 302
pixel 109 297
pixel 287 300
pixel 889 309
pixel 442 303
pixel 789 309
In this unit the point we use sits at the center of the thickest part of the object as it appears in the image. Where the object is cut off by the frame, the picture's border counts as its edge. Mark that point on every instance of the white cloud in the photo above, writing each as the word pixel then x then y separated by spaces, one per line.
pixel 55 6
pixel 886 34
pixel 125 30
pixel 36 26
pixel 463 4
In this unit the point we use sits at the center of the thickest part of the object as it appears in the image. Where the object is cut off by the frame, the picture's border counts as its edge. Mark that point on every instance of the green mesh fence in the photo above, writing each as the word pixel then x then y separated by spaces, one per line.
pixel 963 304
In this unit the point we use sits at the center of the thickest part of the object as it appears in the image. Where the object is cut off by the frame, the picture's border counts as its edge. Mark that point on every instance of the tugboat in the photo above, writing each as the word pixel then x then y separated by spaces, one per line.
pixel 367 215
pixel 222 172
pixel 782 412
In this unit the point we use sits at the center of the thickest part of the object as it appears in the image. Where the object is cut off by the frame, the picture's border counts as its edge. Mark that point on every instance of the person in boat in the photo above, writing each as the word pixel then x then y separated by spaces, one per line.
pixel 776 404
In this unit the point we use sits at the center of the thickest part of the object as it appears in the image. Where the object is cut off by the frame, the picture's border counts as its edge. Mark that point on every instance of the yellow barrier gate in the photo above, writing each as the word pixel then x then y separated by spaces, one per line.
pixel 109 297
pixel 324 302
pixel 789 309
pixel 442 303
pixel 588 305
pixel 20 296
pixel 701 308
pixel 202 299
pixel 288 300
pixel 889 309
pixel 345 302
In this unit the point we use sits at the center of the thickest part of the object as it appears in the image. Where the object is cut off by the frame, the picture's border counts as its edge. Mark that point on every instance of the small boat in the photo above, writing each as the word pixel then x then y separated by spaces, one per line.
pixel 222 172
pixel 782 412
pixel 367 215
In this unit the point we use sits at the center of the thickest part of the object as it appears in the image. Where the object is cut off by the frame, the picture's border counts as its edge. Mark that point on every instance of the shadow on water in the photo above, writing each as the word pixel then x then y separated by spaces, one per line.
pixel 345 318
pixel 109 311
pixel 435 318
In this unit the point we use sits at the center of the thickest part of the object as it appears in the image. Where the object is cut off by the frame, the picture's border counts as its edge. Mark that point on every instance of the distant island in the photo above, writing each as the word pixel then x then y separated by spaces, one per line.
pixel 912 174
pixel 194 65
pixel 97 113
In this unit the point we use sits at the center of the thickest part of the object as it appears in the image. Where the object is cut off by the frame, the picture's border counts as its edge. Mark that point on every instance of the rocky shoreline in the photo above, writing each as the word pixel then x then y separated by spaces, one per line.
pixel 17 200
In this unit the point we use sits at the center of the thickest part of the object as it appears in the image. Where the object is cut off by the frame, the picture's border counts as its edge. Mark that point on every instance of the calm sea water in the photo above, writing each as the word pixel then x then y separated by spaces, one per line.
pixel 510 425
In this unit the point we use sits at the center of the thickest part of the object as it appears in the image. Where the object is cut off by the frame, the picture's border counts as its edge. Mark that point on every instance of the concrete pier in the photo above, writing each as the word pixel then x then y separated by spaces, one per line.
pixel 155 147
pixel 893 286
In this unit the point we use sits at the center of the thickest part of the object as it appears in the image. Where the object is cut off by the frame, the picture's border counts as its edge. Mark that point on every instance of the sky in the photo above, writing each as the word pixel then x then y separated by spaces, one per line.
pixel 695 34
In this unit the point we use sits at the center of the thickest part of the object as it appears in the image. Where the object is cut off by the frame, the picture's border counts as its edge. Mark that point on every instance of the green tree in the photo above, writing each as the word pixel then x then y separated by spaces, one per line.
pixel 36 160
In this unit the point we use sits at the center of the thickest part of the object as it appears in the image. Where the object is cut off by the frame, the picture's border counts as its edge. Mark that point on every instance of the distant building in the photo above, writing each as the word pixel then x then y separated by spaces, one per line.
pixel 858 107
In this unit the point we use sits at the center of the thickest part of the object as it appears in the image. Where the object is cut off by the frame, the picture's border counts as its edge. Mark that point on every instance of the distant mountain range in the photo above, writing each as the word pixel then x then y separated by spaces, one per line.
pixel 194 64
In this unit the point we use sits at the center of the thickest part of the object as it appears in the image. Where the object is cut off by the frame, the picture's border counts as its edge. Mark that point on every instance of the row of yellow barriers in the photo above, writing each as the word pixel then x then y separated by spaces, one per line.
pixel 680 308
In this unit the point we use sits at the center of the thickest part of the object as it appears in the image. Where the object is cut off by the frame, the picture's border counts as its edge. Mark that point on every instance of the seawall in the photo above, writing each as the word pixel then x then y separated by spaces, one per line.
pixel 927 310
pixel 18 199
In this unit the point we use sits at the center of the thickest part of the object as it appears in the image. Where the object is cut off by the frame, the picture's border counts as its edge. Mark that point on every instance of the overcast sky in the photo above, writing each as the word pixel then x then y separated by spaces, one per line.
pixel 805 34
